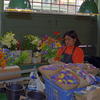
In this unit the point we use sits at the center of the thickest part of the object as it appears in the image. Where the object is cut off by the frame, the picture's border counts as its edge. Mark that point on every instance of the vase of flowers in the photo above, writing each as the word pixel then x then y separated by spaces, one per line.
pixel 49 47
pixel 37 56
pixel 8 41
pixel 50 60
pixel 30 44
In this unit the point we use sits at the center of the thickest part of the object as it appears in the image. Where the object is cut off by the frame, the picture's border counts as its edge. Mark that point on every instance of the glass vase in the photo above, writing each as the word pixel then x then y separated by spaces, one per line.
pixel 50 60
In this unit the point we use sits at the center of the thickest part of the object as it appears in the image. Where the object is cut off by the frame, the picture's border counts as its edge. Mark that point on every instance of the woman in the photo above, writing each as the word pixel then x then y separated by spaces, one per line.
pixel 71 52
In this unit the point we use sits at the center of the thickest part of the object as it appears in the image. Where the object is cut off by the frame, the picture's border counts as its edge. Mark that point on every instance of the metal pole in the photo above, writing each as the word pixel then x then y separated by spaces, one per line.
pixel 1 17
pixel 98 35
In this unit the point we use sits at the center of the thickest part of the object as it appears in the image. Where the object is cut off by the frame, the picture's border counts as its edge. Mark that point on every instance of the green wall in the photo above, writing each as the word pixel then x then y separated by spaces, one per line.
pixel 40 24
pixel 1 16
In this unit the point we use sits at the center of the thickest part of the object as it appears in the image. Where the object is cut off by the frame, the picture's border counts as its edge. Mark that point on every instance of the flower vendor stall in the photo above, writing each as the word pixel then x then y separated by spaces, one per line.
pixel 62 81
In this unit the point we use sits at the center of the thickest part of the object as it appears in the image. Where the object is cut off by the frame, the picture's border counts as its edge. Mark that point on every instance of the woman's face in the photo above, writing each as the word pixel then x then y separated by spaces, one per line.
pixel 69 41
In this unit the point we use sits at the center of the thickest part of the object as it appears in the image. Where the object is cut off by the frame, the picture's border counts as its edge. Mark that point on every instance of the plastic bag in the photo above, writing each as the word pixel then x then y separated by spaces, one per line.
pixel 40 85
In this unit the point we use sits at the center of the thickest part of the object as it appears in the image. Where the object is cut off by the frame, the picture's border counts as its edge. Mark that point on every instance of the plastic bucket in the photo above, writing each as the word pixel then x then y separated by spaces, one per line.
pixel 36 95
pixel 13 90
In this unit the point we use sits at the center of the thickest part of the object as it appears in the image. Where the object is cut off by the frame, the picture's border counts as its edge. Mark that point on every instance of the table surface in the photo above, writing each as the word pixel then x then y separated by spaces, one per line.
pixel 30 66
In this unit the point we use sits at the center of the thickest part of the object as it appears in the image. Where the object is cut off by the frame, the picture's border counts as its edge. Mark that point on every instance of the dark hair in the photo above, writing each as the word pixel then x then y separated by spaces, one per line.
pixel 72 34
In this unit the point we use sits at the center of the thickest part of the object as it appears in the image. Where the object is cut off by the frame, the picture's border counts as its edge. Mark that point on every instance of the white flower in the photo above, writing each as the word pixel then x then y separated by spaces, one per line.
pixel 90 87
pixel 53 50
pixel 15 42
pixel 9 37
pixel 36 41
pixel 8 40
pixel 8 45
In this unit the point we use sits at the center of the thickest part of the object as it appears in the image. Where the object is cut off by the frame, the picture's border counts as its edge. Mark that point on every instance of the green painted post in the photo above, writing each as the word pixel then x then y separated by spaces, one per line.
pixel 98 37
pixel 1 16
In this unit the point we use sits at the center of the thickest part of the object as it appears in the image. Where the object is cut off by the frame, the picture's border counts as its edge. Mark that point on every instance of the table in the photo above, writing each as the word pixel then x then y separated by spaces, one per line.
pixel 30 66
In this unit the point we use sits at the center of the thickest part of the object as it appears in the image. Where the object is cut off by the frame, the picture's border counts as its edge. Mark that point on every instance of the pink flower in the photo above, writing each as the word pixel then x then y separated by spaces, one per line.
pixel 39 43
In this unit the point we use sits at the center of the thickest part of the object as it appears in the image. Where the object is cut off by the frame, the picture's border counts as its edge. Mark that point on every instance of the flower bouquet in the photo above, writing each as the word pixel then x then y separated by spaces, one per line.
pixel 8 41
pixel 49 46
pixel 89 93
pixel 66 80
pixel 85 78
pixel 31 42
pixel 91 69
pixel 48 70
pixel 77 66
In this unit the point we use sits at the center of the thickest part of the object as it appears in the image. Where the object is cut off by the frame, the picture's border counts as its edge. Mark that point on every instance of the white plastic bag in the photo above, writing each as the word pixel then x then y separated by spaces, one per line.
pixel 40 85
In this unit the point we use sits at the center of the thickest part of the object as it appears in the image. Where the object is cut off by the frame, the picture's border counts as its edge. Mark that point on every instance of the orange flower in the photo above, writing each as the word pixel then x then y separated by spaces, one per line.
pixel 58 45
pixel 1 52
pixel 2 60
pixel 1 56
pixel 3 64
pixel 51 40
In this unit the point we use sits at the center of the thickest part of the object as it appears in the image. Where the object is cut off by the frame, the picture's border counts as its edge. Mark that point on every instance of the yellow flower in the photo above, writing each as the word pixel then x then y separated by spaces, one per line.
pixel 65 81
pixel 5 55
pixel 39 48
pixel 43 45
pixel 70 74
pixel 60 80
pixel 70 81
pixel 58 44
pixel 61 76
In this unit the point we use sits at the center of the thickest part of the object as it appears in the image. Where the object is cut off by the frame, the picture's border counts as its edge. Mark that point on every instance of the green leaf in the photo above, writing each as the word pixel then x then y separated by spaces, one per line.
pixel 21 58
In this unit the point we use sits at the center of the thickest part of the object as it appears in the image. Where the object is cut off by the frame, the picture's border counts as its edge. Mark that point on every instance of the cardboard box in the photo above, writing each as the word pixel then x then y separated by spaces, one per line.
pixel 9 69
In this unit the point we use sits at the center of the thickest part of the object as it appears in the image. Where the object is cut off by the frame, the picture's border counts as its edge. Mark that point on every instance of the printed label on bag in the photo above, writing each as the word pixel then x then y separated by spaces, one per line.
pixel 31 88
